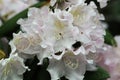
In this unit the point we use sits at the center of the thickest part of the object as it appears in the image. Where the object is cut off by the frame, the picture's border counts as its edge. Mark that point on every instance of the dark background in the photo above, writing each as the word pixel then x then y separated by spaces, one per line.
pixel 112 15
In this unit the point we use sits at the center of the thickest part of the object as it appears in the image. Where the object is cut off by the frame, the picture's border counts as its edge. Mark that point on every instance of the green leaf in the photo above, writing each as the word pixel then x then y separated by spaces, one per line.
pixel 10 26
pixel 100 74
pixel 32 64
pixel 37 72
pixel 42 73
pixel 109 39
pixel 112 11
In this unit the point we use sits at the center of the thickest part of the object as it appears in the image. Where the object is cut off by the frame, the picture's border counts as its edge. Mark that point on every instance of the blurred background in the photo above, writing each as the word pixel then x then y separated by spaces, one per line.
pixel 112 15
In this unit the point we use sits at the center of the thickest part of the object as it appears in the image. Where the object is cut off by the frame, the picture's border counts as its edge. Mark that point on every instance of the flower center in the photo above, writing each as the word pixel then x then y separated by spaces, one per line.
pixel 22 43
pixel 70 61
pixel 76 13
pixel 59 24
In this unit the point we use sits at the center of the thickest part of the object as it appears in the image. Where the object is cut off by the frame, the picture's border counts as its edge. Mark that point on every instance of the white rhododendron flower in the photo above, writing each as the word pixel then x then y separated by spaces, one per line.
pixel 35 21
pixel 28 46
pixel 59 31
pixel 34 30
pixel 26 43
pixel 66 35
pixel 71 66
pixel 12 68
pixel 87 19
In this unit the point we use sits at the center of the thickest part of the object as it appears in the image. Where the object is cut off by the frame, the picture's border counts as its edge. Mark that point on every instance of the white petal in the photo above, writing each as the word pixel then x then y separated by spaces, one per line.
pixel 103 3
pixel 12 68
pixel 56 69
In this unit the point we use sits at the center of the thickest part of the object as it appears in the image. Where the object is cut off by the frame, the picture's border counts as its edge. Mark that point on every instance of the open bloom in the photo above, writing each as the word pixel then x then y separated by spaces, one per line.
pixel 26 43
pixel 30 42
pixel 12 68
pixel 55 28
pixel 60 32
pixel 33 35
pixel 34 24
pixel 87 19
pixel 28 46
pixel 71 66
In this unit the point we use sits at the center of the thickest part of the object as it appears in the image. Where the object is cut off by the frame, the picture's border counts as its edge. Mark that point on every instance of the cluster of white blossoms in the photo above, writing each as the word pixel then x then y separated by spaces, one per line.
pixel 68 35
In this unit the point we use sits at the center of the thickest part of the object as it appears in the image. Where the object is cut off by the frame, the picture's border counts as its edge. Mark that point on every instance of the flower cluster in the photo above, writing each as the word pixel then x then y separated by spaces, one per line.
pixel 68 33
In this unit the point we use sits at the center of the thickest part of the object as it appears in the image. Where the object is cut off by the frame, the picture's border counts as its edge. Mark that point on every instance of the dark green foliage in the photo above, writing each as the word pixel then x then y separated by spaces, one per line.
pixel 37 72
pixel 100 74
pixel 109 39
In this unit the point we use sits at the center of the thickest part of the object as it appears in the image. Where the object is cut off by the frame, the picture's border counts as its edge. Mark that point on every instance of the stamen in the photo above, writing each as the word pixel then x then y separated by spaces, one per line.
pixel 71 62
